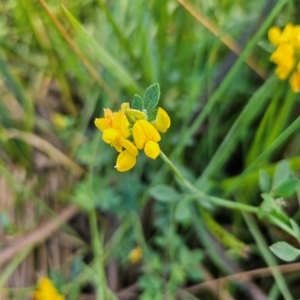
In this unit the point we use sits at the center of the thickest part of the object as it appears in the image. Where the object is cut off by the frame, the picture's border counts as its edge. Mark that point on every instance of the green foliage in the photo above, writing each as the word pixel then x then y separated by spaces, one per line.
pixel 152 115
pixel 137 102
pixel 282 173
pixel 151 97
pixel 286 188
pixel 285 251
pixel 296 229
pixel 234 130
pixel 264 181
pixel 164 193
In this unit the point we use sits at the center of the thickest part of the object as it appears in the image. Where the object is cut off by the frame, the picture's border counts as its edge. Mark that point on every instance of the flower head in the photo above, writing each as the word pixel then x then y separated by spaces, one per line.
pixel 141 122
pixel 47 291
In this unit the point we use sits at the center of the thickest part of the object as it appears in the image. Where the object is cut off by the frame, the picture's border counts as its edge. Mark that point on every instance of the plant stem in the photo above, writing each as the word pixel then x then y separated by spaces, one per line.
pixel 203 196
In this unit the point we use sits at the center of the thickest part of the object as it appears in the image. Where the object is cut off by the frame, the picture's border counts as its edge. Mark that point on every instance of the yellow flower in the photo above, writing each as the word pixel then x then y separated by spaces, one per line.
pixel 146 137
pixel 286 53
pixel 47 291
pixel 162 121
pixel 115 128
pixel 135 255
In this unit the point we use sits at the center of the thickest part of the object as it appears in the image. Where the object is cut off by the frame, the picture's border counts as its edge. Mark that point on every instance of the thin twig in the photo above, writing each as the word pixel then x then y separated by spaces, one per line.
pixel 43 145
pixel 91 69
pixel 243 277
pixel 38 234
pixel 225 39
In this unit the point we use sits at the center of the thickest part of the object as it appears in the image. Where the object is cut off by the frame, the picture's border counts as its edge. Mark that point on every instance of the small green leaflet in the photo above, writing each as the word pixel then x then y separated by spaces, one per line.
pixel 285 251
pixel 152 115
pixel 151 97
pixel 137 102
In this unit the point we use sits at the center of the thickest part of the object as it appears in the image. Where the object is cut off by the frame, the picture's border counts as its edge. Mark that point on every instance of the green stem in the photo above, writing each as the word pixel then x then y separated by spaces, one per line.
pixel 99 276
pixel 268 257
pixel 201 195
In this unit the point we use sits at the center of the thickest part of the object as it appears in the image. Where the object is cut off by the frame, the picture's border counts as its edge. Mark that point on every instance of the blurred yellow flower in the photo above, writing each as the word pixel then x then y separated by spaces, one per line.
pixel 47 291
pixel 274 35
pixel 287 53
pixel 135 255
pixel 59 121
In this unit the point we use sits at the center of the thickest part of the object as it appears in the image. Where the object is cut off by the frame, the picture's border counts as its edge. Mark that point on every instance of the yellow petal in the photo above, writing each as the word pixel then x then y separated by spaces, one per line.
pixel 139 135
pixel 128 145
pixel 101 124
pixel 296 37
pixel 142 132
pixel 108 115
pixel 287 33
pixel 274 34
pixel 162 121
pixel 110 135
pixel 152 149
pixel 295 82
pixel 137 114
pixel 282 72
pixel 121 123
pixel 282 53
pixel 125 161
pixel 46 291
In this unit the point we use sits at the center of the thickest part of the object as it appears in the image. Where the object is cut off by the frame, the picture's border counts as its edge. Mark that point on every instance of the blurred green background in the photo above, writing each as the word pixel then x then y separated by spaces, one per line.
pixel 61 63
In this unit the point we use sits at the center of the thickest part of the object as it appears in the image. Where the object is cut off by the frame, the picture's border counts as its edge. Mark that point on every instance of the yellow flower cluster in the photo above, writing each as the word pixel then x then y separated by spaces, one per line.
pixel 287 53
pixel 47 291
pixel 118 127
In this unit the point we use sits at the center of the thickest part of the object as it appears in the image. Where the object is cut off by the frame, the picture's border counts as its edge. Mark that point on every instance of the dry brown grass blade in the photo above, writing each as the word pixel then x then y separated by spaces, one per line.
pixel 226 40
pixel 242 277
pixel 39 234
pixel 47 148
pixel 79 53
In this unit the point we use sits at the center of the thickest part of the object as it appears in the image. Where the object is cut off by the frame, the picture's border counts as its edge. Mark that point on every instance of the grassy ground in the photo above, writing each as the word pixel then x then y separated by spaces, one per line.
pixel 203 216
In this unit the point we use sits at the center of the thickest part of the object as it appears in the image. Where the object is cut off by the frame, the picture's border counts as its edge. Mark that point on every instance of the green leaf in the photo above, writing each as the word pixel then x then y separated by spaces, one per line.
pixel 164 193
pixel 151 96
pixel 296 229
pixel 264 181
pixel 269 210
pixel 282 172
pixel 286 188
pixel 152 115
pixel 285 251
pixel 137 102
pixel 182 211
